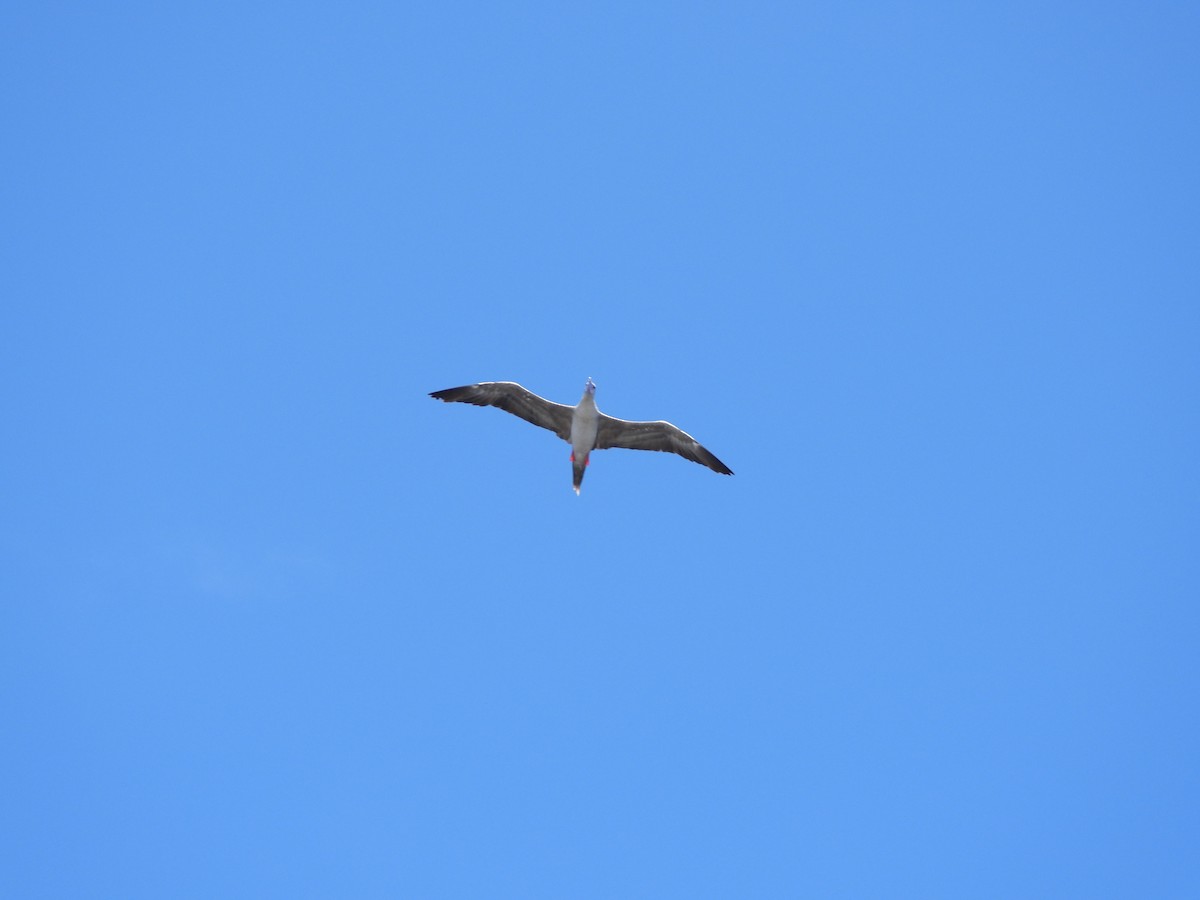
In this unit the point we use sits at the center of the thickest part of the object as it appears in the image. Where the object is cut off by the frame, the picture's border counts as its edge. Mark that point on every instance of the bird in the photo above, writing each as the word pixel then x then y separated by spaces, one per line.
pixel 583 426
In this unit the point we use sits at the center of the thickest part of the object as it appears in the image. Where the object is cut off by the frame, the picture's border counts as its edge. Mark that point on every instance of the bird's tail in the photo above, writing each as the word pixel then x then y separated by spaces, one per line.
pixel 577 467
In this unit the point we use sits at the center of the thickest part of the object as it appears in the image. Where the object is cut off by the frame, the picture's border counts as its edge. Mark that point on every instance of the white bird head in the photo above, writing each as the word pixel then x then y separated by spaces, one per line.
pixel 590 387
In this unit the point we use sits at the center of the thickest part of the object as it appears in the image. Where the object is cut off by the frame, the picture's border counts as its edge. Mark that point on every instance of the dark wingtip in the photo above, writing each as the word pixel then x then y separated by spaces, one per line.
pixel 717 466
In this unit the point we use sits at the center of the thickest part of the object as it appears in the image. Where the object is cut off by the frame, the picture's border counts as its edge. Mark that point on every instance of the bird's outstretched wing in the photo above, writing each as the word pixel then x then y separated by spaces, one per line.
pixel 511 397
pixel 655 436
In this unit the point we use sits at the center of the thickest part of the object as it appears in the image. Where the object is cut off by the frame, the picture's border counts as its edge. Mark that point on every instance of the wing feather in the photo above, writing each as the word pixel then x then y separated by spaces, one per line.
pixel 512 398
pixel 655 436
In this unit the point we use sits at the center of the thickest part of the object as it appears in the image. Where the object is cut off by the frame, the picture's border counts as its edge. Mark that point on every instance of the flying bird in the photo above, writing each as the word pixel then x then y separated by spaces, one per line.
pixel 583 426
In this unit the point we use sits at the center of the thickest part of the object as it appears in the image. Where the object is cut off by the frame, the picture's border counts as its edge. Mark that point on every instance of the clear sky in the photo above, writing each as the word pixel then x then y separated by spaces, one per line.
pixel 276 624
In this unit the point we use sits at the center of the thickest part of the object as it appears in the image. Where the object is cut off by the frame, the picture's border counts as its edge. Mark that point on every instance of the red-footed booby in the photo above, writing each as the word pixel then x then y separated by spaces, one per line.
pixel 583 426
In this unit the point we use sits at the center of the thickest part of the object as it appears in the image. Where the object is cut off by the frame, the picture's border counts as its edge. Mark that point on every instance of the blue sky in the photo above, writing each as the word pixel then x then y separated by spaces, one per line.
pixel 276 624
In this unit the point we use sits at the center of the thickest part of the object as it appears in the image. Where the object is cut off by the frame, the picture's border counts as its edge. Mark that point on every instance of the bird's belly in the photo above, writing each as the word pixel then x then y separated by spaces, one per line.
pixel 583 432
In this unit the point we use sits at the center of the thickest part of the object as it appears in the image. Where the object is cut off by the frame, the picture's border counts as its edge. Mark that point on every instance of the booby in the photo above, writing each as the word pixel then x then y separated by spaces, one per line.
pixel 583 426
